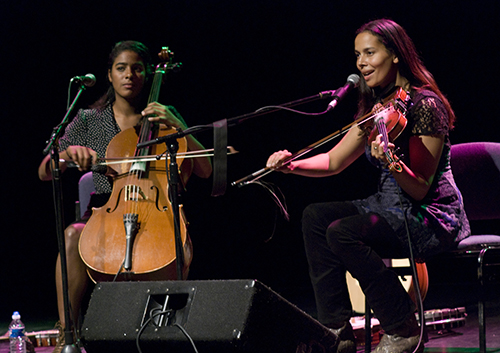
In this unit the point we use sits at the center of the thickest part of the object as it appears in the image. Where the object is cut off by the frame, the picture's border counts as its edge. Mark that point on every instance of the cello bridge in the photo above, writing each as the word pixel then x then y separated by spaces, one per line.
pixel 133 192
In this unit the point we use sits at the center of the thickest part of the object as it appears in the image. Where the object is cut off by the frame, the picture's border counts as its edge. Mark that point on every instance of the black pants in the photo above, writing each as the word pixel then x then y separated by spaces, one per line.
pixel 338 239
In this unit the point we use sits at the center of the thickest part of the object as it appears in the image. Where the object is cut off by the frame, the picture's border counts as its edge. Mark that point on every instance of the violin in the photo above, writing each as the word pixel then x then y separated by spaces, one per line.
pixel 393 118
pixel 132 236
pixel 389 122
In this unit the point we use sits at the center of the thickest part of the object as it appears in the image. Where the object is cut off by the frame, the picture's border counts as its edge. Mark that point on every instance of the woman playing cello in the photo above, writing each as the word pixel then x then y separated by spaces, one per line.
pixel 356 235
pixel 87 137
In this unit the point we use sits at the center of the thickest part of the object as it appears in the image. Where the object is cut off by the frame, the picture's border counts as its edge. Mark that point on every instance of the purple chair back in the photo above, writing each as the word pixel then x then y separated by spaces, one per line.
pixel 85 188
pixel 476 169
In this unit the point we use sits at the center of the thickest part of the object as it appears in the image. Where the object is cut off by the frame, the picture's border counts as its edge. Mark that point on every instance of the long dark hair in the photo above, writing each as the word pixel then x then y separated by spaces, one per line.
pixel 118 48
pixel 410 65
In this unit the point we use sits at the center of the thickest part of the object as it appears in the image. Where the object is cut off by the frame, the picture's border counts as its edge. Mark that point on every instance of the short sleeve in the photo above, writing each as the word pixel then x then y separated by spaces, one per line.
pixel 430 116
pixel 75 132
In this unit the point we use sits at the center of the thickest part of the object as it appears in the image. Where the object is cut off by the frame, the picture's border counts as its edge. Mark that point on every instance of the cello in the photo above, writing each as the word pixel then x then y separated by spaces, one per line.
pixel 132 237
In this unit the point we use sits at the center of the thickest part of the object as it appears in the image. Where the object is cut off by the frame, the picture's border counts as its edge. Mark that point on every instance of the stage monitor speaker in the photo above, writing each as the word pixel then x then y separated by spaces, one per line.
pixel 219 316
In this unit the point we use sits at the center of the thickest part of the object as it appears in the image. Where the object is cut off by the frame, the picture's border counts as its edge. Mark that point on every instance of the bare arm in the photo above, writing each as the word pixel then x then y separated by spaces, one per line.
pixel 82 156
pixel 202 167
pixel 425 153
pixel 335 161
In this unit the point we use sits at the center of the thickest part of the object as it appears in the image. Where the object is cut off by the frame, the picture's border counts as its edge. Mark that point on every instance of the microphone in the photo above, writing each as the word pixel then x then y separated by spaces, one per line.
pixel 339 94
pixel 88 80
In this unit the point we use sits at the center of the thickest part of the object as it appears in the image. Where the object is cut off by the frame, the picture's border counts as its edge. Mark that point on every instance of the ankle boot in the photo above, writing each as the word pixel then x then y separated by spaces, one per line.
pixel 347 341
pixel 60 339
pixel 403 339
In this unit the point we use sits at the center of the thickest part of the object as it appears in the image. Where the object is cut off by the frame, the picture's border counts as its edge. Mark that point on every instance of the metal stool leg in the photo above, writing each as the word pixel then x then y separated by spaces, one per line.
pixel 480 304
pixel 368 327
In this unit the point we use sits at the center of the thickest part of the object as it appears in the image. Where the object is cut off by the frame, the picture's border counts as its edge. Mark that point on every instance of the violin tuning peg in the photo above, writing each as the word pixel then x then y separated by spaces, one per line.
pixel 397 153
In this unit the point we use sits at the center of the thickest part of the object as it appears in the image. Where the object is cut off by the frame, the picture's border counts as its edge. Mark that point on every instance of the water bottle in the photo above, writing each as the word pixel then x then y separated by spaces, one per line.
pixel 16 334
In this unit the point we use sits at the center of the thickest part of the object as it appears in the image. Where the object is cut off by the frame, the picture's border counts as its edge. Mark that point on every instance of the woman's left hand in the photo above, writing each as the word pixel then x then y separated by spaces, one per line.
pixel 377 149
pixel 159 113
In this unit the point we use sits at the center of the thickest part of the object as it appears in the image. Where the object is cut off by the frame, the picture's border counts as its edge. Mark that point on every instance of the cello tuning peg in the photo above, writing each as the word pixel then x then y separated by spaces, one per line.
pixel 175 67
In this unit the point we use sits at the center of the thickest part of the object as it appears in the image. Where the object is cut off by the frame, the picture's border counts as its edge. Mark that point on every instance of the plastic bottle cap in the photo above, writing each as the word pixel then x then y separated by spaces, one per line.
pixel 16 315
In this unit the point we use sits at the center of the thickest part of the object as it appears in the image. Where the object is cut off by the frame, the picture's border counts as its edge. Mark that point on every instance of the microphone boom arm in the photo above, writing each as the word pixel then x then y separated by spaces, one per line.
pixel 235 120
pixel 338 94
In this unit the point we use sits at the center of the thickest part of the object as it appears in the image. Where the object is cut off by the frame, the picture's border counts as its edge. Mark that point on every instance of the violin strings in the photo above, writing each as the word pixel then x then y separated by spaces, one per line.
pixel 383 130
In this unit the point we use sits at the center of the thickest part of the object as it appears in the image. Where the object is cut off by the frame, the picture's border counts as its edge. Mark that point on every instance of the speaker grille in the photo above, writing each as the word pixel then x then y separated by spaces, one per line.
pixel 220 316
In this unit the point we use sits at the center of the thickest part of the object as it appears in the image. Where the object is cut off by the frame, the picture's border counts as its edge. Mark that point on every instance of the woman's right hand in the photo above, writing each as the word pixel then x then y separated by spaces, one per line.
pixel 275 161
pixel 84 157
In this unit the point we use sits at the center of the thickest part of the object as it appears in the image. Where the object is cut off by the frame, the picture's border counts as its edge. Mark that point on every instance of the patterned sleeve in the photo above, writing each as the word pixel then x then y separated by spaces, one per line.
pixel 430 117
pixel 75 132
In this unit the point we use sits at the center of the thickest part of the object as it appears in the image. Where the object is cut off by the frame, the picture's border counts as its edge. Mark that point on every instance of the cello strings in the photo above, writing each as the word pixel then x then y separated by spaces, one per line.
pixel 137 169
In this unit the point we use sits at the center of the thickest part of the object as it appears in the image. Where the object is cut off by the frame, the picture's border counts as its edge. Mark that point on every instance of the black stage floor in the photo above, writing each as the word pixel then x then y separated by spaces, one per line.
pixel 443 293
pixel 464 338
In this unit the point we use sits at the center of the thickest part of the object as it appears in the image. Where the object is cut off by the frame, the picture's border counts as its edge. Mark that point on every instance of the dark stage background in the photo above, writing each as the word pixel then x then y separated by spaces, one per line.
pixel 237 57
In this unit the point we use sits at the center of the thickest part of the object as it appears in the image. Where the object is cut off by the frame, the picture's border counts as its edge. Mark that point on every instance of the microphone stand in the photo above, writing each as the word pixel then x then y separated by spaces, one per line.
pixel 52 148
pixel 173 146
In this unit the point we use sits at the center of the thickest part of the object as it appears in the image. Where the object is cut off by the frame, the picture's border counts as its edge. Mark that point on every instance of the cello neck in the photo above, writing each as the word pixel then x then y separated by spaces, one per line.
pixel 146 132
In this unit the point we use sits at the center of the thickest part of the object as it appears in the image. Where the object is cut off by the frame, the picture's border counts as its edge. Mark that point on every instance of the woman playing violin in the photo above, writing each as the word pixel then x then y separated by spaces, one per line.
pixel 356 235
pixel 87 137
